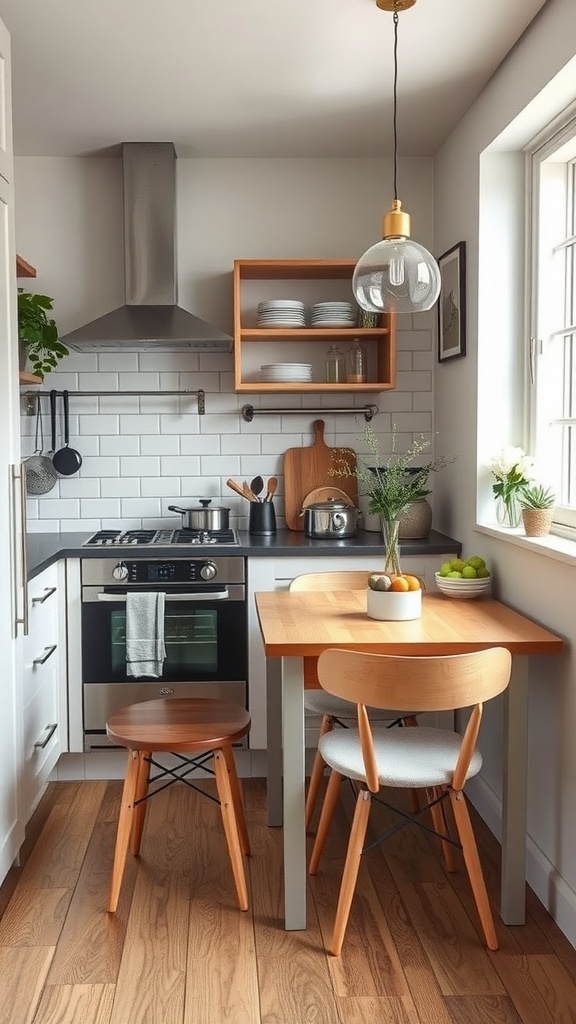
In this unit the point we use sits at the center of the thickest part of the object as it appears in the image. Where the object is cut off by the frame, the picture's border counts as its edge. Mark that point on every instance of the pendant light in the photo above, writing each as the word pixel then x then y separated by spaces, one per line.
pixel 397 274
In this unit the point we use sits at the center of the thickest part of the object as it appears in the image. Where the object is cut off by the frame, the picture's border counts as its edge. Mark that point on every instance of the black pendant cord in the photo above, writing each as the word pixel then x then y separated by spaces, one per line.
pixel 395 95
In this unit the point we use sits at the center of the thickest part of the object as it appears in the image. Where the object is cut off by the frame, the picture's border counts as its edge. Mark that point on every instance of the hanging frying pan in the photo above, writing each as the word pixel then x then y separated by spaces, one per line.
pixel 66 460
pixel 40 473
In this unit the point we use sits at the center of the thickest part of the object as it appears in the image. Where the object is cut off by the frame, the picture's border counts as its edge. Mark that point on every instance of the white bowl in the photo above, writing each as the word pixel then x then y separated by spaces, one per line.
pixel 463 588
pixel 391 606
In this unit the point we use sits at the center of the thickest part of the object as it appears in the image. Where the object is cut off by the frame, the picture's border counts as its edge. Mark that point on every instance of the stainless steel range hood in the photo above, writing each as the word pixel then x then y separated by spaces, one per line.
pixel 150 317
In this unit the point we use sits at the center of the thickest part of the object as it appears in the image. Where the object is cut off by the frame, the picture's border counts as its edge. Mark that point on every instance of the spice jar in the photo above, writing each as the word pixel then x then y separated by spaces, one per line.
pixel 356 364
pixel 335 366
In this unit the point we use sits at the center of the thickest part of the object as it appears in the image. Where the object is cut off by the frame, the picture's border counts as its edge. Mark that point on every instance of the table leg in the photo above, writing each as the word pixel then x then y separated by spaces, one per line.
pixel 293 749
pixel 274 741
pixel 513 895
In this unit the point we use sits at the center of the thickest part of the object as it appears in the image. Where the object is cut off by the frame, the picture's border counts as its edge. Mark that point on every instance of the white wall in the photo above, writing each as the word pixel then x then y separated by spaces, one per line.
pixel 142 454
pixel 478 198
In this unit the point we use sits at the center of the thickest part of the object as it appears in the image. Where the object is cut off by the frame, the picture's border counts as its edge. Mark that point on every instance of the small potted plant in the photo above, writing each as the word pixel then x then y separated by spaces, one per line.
pixel 38 333
pixel 537 504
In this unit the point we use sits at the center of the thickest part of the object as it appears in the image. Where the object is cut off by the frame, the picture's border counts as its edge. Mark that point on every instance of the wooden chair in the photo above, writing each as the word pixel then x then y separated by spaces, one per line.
pixel 436 759
pixel 189 725
pixel 333 710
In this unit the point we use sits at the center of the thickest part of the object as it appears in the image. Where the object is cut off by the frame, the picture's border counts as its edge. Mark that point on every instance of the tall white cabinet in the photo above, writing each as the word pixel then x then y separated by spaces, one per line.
pixel 11 530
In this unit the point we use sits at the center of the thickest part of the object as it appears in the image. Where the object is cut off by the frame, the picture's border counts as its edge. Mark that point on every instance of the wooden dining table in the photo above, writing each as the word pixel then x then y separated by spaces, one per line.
pixel 297 626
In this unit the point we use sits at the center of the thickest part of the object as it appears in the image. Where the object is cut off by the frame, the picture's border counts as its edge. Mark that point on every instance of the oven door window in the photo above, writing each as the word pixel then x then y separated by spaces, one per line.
pixel 207 642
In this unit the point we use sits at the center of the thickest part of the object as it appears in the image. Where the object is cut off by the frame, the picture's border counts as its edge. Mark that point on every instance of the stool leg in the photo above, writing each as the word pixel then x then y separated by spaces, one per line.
pixel 139 814
pixel 317 773
pixel 237 800
pixel 230 827
pixel 124 828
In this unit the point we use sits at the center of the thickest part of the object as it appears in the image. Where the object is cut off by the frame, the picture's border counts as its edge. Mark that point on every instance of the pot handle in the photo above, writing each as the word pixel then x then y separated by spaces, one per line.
pixel 174 508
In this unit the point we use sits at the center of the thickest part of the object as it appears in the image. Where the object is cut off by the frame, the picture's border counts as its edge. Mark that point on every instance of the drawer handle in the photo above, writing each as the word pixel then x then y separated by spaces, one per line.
pixel 40 744
pixel 47 593
pixel 48 651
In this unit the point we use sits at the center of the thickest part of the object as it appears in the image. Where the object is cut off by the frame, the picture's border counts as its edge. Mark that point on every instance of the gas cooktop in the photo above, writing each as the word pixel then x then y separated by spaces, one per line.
pixel 160 538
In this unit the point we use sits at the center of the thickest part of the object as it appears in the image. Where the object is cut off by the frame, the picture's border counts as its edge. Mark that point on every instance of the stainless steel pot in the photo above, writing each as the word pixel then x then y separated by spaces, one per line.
pixel 204 518
pixel 330 519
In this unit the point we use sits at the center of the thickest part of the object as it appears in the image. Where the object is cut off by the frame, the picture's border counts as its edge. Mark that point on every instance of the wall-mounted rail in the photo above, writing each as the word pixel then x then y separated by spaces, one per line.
pixel 31 396
pixel 368 411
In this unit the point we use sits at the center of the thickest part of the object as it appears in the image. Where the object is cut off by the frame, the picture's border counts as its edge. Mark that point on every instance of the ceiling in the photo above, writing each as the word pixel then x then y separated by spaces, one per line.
pixel 260 78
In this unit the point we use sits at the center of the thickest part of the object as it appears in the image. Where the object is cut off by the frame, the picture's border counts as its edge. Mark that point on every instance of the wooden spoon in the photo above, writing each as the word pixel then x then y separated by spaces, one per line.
pixel 237 488
pixel 271 488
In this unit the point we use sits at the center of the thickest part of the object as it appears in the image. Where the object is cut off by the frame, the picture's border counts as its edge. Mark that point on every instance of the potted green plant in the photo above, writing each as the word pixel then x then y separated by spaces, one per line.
pixel 38 333
pixel 537 504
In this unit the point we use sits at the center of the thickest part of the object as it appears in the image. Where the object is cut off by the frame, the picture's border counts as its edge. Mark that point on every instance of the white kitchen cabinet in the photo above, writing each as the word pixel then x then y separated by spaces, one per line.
pixel 276 574
pixel 44 684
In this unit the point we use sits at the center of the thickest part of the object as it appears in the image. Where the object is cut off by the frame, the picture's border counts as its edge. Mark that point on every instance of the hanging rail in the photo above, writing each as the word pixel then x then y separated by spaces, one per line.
pixel 249 412
pixel 200 395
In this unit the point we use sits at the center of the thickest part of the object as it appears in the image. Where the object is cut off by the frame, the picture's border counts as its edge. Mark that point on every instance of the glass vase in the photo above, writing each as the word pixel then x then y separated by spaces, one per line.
pixel 508 512
pixel 390 529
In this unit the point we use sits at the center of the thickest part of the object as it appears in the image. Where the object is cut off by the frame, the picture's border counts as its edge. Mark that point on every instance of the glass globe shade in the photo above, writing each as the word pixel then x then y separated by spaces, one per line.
pixel 396 274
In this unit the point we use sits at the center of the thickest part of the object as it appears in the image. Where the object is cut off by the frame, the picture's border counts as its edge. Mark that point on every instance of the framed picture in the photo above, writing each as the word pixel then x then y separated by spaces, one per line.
pixel 452 304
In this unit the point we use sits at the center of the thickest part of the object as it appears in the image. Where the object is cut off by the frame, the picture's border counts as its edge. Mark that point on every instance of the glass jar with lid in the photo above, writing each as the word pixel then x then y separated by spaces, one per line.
pixel 335 366
pixel 356 364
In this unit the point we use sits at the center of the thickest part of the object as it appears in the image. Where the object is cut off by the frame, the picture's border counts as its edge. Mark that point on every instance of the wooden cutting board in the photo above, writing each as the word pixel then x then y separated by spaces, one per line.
pixel 307 468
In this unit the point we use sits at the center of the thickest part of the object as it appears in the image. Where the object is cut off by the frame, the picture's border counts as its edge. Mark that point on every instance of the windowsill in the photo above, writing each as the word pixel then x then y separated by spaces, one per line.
pixel 560 548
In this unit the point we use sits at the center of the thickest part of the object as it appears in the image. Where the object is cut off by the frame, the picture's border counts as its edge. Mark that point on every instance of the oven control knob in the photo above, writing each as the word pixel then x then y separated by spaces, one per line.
pixel 208 571
pixel 120 571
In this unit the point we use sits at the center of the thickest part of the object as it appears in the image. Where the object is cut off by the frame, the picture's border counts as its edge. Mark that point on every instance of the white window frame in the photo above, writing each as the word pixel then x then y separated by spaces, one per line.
pixel 551 176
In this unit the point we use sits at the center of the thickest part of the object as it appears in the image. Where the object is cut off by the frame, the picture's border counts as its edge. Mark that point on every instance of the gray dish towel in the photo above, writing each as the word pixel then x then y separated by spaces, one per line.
pixel 145 650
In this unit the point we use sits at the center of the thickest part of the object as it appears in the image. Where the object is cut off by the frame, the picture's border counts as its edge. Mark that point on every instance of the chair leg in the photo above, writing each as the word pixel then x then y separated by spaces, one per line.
pixel 473 866
pixel 139 814
pixel 125 821
pixel 351 868
pixel 328 808
pixel 237 800
pixel 230 827
pixel 317 773
pixel 441 827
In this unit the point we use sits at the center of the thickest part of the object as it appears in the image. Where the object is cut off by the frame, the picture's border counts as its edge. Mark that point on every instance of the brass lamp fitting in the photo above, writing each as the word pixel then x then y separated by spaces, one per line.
pixel 395 223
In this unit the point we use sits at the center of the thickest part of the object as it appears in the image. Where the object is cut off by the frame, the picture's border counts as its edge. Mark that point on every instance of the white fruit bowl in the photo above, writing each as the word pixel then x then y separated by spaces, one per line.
pixel 463 588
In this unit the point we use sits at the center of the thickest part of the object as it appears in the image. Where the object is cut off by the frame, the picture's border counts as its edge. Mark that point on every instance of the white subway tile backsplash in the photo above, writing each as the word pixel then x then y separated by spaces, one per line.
pixel 181 465
pixel 142 452
pixel 139 466
pixel 98 508
pixel 102 466
pixel 123 487
pixel 118 445
pixel 160 444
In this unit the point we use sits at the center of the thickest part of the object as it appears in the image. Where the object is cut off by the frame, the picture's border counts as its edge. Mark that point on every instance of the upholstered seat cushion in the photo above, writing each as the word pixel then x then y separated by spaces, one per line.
pixel 319 702
pixel 412 758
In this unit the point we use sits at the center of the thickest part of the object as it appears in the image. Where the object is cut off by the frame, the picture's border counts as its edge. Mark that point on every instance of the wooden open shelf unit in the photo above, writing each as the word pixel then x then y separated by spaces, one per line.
pixel 312 280
pixel 25 269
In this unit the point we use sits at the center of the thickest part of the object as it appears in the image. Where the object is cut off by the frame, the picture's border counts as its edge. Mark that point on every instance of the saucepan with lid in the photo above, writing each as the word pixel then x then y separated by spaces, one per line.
pixel 333 519
pixel 206 517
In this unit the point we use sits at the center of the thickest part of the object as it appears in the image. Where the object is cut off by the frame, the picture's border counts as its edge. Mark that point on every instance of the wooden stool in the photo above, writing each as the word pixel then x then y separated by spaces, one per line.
pixel 179 725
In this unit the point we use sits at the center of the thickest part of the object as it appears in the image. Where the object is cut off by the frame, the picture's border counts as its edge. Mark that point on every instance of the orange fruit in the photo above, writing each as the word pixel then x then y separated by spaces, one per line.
pixel 414 582
pixel 400 584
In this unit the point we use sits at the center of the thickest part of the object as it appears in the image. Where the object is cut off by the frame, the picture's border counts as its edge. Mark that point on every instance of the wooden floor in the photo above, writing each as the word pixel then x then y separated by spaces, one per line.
pixel 179 952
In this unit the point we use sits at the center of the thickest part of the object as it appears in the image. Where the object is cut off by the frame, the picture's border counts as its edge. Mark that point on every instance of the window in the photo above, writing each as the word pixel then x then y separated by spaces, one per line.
pixel 552 367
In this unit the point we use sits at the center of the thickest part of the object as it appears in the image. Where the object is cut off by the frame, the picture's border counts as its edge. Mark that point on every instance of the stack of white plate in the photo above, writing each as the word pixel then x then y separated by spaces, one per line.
pixel 286 373
pixel 281 313
pixel 334 314
pixel 463 587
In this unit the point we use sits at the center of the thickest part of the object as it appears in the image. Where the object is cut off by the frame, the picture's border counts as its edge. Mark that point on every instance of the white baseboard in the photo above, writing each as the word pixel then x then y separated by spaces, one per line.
pixel 550 888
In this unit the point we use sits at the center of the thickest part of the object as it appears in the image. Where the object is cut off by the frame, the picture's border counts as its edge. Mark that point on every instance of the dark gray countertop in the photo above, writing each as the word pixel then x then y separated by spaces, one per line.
pixel 46 548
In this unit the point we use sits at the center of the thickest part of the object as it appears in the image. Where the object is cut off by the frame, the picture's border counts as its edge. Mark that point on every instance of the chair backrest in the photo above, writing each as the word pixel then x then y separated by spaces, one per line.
pixel 415 683
pixel 347 580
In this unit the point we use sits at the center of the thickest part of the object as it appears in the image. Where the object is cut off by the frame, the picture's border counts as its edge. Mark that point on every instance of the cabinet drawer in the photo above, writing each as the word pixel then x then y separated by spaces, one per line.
pixel 42 742
pixel 43 598
pixel 41 655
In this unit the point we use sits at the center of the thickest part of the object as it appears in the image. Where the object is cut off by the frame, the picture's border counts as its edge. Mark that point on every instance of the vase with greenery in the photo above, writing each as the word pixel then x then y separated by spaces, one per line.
pixel 391 485
pixel 38 332
pixel 537 504
pixel 513 470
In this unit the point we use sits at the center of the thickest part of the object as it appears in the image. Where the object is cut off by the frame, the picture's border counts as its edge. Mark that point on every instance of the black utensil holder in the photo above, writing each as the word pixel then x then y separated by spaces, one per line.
pixel 262 519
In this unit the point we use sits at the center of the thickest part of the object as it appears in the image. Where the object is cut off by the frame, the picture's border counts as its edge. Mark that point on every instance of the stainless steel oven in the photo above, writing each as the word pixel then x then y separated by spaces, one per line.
pixel 205 633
